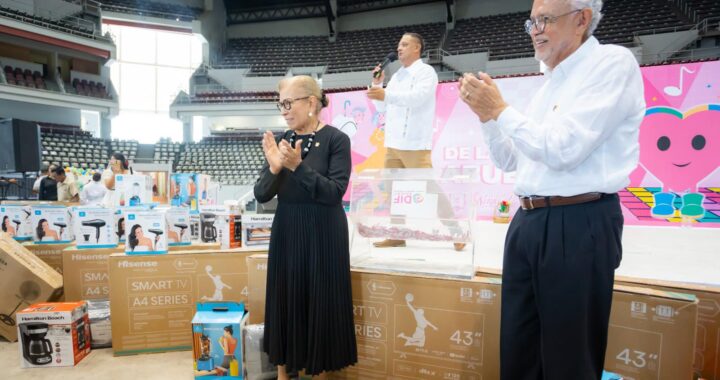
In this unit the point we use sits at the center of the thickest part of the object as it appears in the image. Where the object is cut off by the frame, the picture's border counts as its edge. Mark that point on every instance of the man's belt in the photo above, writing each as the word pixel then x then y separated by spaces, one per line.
pixel 529 203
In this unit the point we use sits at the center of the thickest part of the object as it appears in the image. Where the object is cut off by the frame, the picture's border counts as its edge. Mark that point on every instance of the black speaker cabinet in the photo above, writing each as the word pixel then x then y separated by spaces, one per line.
pixel 20 146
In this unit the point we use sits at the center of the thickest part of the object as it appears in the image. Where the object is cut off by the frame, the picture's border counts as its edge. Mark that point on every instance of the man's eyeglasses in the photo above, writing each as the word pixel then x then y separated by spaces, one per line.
pixel 540 22
pixel 287 103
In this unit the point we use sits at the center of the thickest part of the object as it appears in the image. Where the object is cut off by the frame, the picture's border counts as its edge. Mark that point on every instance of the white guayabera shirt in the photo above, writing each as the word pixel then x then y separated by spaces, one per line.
pixel 580 131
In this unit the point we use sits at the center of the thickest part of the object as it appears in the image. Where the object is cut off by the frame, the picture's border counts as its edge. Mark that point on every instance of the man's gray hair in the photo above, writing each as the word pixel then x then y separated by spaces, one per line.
pixel 596 6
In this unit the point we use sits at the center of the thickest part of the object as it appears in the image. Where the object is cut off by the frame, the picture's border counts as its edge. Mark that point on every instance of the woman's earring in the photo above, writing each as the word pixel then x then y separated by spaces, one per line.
pixel 310 114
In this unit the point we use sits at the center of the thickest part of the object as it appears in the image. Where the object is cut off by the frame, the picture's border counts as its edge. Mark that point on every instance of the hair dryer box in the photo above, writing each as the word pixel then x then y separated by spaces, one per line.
pixel 24 279
pixel 53 334
pixel 52 224
pixel 16 221
pixel 145 232
pixel 217 340
pixel 94 227
pixel 177 220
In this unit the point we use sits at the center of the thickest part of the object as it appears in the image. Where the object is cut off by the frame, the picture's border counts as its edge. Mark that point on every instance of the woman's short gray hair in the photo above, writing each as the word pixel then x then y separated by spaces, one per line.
pixel 595 6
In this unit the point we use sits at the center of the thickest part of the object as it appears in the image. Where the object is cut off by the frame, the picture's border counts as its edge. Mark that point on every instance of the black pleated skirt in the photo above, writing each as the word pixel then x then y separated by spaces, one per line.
pixel 308 307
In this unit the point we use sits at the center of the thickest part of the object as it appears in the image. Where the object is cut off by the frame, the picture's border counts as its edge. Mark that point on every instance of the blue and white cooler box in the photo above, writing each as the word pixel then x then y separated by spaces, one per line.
pixel 178 225
pixel 145 232
pixel 95 227
pixel 52 224
pixel 217 340
pixel 132 190
pixel 17 221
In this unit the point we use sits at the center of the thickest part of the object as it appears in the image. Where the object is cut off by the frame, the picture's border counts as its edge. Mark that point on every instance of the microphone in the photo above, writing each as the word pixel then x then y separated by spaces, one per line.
pixel 392 57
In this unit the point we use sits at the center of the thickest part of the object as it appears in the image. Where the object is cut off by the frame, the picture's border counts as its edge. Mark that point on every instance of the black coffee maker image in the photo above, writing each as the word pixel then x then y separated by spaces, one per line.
pixel 37 349
pixel 97 224
pixel 208 232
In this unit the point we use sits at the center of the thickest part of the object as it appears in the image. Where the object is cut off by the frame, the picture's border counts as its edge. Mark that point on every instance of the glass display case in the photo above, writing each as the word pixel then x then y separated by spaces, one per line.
pixel 414 220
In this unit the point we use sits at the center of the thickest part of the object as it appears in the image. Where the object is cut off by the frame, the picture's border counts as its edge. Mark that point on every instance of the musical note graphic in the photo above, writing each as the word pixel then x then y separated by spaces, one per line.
pixel 677 91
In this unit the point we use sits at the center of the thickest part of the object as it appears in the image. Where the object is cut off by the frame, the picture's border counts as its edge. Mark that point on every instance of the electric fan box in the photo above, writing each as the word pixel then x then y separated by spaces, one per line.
pixel 152 298
pixel 16 221
pixel 52 224
pixel 49 253
pixel 53 334
pixel 217 340
pixel 24 279
pixel 177 220
pixel 85 272
pixel 94 227
pixel 145 232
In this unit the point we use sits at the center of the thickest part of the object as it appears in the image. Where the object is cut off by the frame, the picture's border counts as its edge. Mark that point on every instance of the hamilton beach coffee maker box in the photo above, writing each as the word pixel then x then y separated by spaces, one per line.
pixel 210 221
pixel 178 226
pixel 16 221
pixel 145 232
pixel 53 334
pixel 52 224
pixel 94 227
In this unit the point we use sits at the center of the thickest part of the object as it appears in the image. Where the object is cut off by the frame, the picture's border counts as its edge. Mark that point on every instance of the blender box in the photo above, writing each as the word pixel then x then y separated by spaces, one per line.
pixel 184 191
pixel 256 230
pixel 145 232
pixel 24 280
pixel 16 221
pixel 51 224
pixel 217 339
pixel 132 190
pixel 178 226
pixel 95 227
pixel 53 334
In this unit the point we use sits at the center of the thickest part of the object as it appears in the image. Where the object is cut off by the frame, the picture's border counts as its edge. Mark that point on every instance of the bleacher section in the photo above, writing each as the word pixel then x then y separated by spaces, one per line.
pixel 127 147
pixel 504 36
pixel 356 50
pixel 85 88
pixel 703 9
pixel 77 149
pixel 167 152
pixel 232 160
pixel 72 25
pixel 152 8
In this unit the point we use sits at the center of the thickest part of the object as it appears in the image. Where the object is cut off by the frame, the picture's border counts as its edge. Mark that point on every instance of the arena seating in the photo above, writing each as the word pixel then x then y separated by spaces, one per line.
pixel 71 25
pixel 152 8
pixel 71 147
pixel 359 50
pixel 504 35
pixel 167 152
pixel 89 88
pixel 229 160
pixel 25 78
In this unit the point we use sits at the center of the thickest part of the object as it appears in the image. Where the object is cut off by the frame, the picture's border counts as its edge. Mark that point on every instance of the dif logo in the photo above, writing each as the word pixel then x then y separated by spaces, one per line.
pixel 408 198
pixel 82 214
pixel 131 216
pixel 38 212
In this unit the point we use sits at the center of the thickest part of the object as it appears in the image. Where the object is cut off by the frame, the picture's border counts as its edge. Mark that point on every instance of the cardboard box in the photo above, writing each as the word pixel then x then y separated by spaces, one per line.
pixel 257 281
pixel 53 334
pixel 184 190
pixel 257 362
pixel 217 331
pixel 145 232
pixel 707 345
pixel 99 313
pixel 256 230
pixel 85 273
pixel 152 298
pixel 24 279
pixel 229 230
pixel 94 227
pixel 132 190
pixel 425 328
pixel 52 224
pixel 49 253
pixel 195 246
pixel 210 220
pixel 17 221
pixel 177 220
pixel 195 228
pixel 651 334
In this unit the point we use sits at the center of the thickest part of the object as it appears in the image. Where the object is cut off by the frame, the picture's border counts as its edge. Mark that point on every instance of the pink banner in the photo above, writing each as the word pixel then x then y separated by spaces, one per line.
pixel 678 179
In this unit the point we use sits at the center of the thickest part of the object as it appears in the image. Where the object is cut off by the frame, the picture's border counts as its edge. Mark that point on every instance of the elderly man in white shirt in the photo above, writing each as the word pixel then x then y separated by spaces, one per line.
pixel 409 106
pixel 573 149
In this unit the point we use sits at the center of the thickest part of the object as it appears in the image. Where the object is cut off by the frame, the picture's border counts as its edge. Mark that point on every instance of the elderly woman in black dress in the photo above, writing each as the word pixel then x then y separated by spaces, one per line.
pixel 308 308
